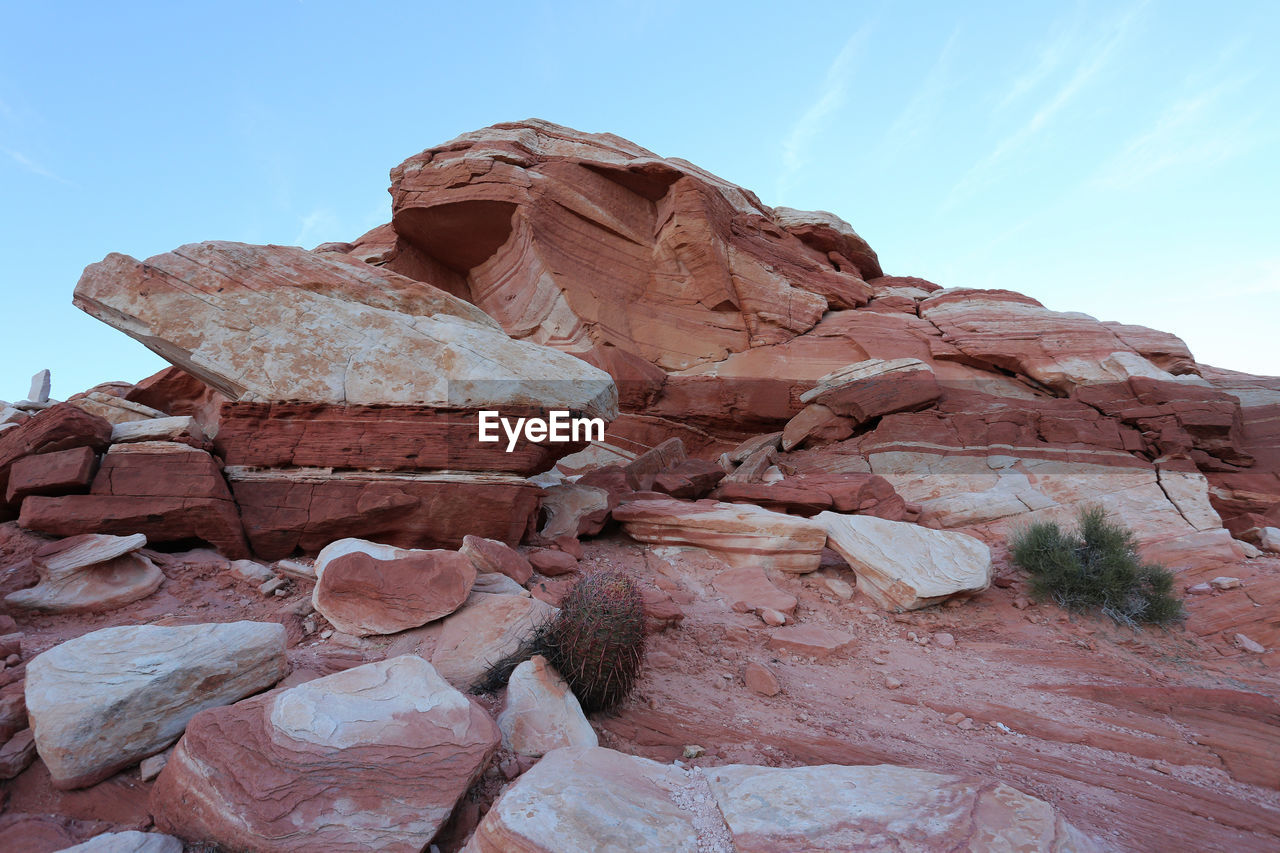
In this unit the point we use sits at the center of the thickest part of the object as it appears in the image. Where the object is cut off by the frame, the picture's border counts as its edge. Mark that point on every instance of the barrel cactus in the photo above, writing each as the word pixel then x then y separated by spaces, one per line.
pixel 596 641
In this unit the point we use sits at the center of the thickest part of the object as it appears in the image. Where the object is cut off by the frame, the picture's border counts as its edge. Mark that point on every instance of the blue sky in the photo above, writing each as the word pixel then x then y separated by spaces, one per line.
pixel 1117 159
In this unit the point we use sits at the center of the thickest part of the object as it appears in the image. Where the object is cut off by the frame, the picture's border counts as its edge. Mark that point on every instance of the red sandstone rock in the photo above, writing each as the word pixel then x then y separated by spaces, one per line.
pixel 165 490
pixel 388 746
pixel 748 589
pixel 364 588
pixel 60 427
pixel 176 392
pixel 59 473
pixel 489 555
pixel 375 438
pixel 287 510
pixel 761 679
pixel 552 563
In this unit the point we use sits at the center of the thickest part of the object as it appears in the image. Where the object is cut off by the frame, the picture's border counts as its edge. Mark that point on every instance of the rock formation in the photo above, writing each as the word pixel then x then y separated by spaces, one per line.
pixel 796 443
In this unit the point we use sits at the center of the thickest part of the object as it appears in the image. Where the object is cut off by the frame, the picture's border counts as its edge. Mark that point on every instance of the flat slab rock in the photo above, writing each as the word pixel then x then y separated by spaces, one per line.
pixel 482 632
pixel 740 534
pixel 105 700
pixel 810 640
pixel 372 758
pixel 749 588
pixel 233 314
pixel 365 588
pixel 883 807
pixel 590 798
pixel 93 572
pixel 905 566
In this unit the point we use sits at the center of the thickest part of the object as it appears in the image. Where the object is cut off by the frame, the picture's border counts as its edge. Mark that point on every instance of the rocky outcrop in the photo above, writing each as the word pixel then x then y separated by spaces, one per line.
pixel 542 713
pixel 904 566
pixel 372 758
pixel 60 473
pixel 739 534
pixel 365 588
pixel 89 573
pixel 103 701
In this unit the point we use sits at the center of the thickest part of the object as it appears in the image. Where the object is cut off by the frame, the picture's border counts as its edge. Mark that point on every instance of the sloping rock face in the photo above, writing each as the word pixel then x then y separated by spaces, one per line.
pixel 372 758
pixel 104 700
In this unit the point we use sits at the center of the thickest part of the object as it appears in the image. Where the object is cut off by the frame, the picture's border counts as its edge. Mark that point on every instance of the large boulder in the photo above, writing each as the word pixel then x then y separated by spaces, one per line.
pixel 372 758
pixel 904 566
pixel 233 315
pixel 89 573
pixel 590 798
pixel 832 807
pixel 365 588
pixel 102 701
pixel 60 427
pixel 739 534
pixel 542 713
pixel 487 629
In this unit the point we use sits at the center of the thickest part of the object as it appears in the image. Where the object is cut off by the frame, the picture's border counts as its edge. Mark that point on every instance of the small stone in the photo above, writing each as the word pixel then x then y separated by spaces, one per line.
pixel 761 679
pixel 1162 767
pixel 552 563
pixel 840 589
pixel 12 660
pixel 296 569
pixel 1199 589
pixel 945 640
pixel 1249 645
pixel 17 754
pixel 1021 603
pixel 150 767
pixel 250 572
pixel 772 617
pixel 891 683
pixel 41 384
pixel 966 724
pixel 954 719
pixel 326 633
pixel 272 586
pixel 509 768
pixel 1225 583
pixel 693 751
pixel 878 661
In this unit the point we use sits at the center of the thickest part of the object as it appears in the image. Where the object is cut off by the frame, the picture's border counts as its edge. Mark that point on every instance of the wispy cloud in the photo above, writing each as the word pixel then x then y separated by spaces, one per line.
pixel 1200 127
pixel 27 164
pixel 1091 64
pixel 918 116
pixel 318 226
pixel 831 96
pixel 1050 57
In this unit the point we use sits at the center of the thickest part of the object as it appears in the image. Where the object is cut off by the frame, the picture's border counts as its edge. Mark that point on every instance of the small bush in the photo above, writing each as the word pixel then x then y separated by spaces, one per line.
pixel 595 642
pixel 1095 568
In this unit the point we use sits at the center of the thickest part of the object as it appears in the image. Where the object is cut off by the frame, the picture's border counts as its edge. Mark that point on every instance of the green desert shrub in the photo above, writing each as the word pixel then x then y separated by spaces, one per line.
pixel 1095 567
pixel 595 642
